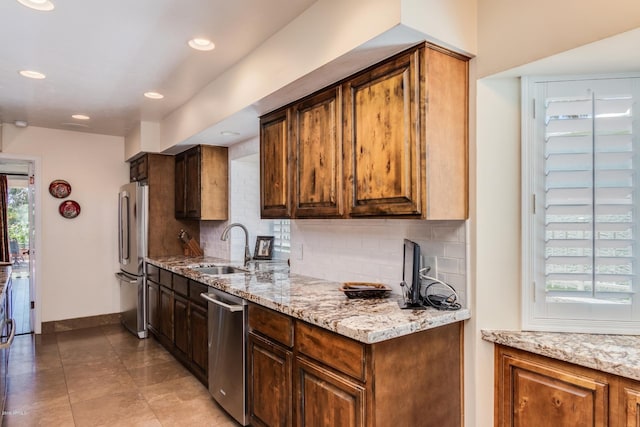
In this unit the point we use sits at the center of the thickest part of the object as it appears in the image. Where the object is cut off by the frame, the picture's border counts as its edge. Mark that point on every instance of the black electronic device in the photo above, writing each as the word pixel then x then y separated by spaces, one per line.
pixel 411 276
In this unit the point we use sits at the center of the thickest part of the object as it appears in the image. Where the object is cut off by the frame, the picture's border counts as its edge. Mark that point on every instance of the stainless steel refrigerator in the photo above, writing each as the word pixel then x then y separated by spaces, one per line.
pixel 132 248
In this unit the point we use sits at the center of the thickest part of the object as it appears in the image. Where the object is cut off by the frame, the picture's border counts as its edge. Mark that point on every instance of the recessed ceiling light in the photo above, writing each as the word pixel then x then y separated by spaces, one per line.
pixel 80 117
pixel 201 44
pixel 21 123
pixel 32 74
pixel 229 133
pixel 154 95
pixel 77 125
pixel 44 5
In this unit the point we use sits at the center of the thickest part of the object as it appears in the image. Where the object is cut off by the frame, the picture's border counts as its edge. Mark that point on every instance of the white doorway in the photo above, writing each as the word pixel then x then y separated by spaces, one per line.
pixel 21 226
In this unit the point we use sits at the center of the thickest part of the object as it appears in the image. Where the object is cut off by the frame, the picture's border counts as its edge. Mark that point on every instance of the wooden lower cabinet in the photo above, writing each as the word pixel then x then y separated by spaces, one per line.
pixel 537 391
pixel 338 381
pixel 269 383
pixel 179 322
pixel 325 398
pixel 166 313
pixel 198 341
pixel 153 306
pixel 630 404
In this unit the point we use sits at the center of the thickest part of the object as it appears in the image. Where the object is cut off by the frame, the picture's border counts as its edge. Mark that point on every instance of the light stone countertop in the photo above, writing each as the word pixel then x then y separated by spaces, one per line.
pixel 317 301
pixel 615 354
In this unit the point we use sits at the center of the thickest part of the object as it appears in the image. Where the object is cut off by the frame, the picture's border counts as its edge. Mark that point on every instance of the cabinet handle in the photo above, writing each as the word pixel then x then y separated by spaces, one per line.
pixel 12 335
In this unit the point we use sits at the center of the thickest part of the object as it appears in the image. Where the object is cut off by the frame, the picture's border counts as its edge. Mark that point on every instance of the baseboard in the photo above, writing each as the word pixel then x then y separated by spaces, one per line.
pixel 80 323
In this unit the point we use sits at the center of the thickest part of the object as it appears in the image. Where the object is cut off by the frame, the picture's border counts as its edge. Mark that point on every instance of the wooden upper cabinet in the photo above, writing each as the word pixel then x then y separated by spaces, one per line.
pixel 193 188
pixel 180 186
pixel 317 142
pixel 275 182
pixel 202 183
pixel 139 168
pixel 382 150
pixel 445 116
pixel 391 140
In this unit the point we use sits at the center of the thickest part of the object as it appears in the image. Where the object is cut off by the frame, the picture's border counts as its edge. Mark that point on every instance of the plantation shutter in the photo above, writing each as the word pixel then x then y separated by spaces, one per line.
pixel 586 191
pixel 282 236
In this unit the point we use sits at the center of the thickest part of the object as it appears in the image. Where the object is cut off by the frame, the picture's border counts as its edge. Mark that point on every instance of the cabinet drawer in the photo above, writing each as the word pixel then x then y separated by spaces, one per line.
pixel 338 352
pixel 195 289
pixel 153 273
pixel 272 324
pixel 165 278
pixel 181 285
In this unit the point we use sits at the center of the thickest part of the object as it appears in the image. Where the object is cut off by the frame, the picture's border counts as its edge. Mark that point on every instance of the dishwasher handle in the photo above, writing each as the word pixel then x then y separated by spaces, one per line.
pixel 231 308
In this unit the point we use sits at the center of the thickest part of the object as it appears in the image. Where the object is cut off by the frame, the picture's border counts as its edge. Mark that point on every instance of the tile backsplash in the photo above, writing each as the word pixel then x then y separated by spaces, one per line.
pixel 372 249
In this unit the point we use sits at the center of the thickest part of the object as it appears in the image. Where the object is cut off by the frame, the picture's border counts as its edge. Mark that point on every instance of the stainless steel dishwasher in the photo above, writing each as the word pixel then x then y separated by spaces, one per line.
pixel 227 355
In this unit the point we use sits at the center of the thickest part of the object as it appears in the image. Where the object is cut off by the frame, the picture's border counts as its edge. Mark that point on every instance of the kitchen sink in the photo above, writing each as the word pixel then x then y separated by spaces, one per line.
pixel 218 269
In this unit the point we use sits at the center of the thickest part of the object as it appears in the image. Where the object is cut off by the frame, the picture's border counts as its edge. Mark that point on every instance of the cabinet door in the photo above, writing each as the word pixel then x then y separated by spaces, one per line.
pixel 275 185
pixel 199 340
pixel 153 306
pixel 181 324
pixel 181 185
pixel 534 391
pixel 631 401
pixel 325 398
pixel 269 376
pixel 166 313
pixel 382 141
pixel 193 187
pixel 317 142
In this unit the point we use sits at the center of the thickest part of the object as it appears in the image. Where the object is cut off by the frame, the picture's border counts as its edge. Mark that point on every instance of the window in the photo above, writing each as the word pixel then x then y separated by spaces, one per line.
pixel 580 205
pixel 282 237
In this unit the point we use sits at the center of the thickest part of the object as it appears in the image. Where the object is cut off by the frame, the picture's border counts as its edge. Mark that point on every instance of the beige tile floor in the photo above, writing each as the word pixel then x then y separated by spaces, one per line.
pixel 103 377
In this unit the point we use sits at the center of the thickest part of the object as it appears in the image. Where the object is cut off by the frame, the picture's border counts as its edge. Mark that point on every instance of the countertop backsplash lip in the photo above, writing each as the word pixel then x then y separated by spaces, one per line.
pixel 614 354
pixel 316 301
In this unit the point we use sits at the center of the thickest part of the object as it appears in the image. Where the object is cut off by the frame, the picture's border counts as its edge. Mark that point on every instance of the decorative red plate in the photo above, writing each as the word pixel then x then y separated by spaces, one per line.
pixel 59 188
pixel 69 209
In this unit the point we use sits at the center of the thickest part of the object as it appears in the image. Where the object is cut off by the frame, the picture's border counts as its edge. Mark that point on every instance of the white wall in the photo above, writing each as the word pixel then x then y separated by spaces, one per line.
pixel 495 232
pixel 512 33
pixel 79 256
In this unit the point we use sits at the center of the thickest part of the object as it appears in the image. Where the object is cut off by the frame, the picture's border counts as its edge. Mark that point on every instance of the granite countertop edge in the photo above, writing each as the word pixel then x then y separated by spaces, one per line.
pixel 614 354
pixel 316 301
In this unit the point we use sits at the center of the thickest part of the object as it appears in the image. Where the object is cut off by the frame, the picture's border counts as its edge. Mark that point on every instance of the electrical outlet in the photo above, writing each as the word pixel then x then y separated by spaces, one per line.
pixel 431 261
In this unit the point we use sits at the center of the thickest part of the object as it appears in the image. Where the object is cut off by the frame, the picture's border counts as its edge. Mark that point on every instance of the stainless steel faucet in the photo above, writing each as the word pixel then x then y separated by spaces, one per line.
pixel 247 251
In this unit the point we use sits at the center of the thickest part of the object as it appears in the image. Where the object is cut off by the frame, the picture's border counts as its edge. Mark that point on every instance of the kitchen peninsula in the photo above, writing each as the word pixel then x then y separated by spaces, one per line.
pixel 371 362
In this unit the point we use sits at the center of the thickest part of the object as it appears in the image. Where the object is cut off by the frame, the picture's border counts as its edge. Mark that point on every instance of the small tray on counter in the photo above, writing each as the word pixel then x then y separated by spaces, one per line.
pixel 364 290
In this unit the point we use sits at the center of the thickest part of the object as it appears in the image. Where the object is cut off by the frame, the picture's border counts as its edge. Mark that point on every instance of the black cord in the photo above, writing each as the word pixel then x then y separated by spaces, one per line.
pixel 442 302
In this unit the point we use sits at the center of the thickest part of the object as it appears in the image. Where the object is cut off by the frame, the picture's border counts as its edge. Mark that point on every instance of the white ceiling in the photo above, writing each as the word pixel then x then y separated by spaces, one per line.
pixel 101 56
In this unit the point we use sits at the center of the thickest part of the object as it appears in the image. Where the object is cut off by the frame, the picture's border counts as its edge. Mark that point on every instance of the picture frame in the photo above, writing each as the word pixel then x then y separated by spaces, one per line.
pixel 264 247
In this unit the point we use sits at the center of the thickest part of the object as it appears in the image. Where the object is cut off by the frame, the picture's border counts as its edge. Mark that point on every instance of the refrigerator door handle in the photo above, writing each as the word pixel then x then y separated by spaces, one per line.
pixel 123 218
pixel 124 278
